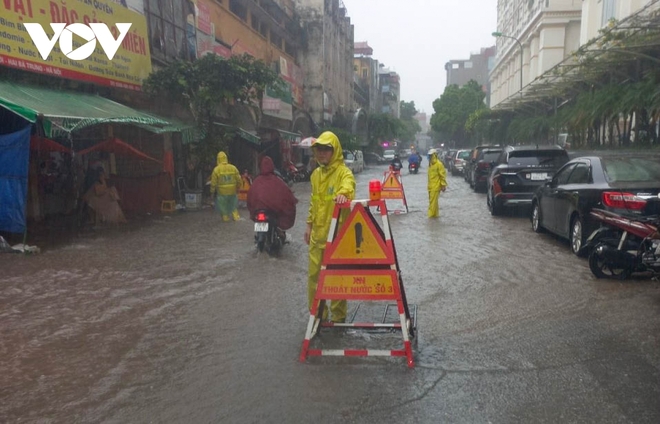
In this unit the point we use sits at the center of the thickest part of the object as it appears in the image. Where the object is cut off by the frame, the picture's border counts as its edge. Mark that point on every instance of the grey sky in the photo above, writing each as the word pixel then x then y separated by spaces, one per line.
pixel 417 37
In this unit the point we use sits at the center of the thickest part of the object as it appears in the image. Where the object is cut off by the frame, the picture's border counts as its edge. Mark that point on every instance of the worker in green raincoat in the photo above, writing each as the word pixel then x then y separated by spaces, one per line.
pixel 437 182
pixel 332 182
pixel 225 183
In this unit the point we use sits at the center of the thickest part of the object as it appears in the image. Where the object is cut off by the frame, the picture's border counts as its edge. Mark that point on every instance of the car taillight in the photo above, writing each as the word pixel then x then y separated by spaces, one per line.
pixel 618 200
pixel 261 217
pixel 483 165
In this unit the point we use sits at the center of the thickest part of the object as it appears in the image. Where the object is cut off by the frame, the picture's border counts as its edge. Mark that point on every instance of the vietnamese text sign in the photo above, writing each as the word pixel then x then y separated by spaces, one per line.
pixel 357 284
pixel 129 66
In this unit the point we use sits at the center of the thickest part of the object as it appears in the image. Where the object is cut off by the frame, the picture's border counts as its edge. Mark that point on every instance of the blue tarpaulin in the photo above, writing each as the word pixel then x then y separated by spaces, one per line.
pixel 14 158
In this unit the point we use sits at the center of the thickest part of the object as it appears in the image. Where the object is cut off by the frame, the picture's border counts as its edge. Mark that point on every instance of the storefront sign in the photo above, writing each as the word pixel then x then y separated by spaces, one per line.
pixel 129 66
pixel 278 104
pixel 294 76
pixel 204 17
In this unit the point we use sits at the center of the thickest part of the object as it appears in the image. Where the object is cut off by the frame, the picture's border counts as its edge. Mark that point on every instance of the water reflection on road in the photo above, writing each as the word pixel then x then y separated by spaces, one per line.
pixel 181 321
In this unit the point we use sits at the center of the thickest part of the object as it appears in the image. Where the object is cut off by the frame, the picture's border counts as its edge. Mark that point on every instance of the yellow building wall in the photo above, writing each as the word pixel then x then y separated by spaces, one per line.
pixel 232 30
pixel 361 66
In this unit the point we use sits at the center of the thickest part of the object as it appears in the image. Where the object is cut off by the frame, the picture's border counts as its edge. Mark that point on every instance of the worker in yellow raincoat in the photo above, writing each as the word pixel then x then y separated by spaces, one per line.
pixel 437 175
pixel 332 182
pixel 225 183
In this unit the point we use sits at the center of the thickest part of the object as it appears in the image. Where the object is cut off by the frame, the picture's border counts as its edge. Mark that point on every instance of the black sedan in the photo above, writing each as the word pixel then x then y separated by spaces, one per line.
pixel 619 183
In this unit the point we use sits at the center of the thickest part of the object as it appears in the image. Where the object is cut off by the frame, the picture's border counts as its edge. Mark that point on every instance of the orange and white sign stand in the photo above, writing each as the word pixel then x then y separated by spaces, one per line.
pixel 392 189
pixel 360 263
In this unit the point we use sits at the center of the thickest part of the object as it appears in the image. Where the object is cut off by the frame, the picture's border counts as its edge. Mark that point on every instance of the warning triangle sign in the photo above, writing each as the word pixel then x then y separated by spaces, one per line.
pixel 359 242
pixel 392 182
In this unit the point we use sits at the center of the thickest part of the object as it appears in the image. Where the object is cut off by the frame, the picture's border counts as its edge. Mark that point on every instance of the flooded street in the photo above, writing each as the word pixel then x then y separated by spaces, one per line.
pixel 181 321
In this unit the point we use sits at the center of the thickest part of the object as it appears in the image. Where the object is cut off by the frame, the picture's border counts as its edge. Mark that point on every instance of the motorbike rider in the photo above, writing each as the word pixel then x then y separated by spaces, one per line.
pixel 268 192
pixel 396 163
pixel 414 158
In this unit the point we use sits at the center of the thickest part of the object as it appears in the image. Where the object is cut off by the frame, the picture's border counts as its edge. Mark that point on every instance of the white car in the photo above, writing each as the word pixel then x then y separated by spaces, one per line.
pixel 349 160
pixel 389 154
pixel 359 161
pixel 354 160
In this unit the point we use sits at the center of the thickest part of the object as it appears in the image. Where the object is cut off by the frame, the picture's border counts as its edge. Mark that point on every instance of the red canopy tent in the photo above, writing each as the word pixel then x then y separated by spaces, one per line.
pixel 138 194
pixel 43 144
pixel 118 147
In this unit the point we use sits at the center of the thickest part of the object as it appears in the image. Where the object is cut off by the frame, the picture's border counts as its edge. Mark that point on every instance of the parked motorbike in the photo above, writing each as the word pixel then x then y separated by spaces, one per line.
pixel 284 177
pixel 302 174
pixel 624 244
pixel 413 168
pixel 266 234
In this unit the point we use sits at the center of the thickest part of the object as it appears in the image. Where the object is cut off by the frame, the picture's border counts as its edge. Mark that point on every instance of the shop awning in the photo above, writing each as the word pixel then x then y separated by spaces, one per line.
pixel 189 132
pixel 294 138
pixel 67 111
pixel 245 135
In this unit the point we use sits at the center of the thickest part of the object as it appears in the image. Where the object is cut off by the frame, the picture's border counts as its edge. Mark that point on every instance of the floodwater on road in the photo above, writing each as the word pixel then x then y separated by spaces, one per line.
pixel 181 321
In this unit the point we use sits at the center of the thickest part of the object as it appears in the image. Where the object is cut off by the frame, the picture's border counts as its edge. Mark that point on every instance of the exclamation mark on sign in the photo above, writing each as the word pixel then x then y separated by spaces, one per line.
pixel 358 237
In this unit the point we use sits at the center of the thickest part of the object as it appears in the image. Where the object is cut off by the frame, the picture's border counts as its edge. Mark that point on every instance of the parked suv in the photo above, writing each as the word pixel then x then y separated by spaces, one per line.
pixel 518 173
pixel 482 167
pixel 470 162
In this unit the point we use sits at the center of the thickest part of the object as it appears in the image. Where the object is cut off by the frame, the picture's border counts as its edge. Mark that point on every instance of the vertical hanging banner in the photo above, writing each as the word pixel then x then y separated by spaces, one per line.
pixel 129 66
pixel 14 157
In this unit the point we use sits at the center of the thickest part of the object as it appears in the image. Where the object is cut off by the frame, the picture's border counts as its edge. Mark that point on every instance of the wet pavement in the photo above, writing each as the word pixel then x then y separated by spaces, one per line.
pixel 181 321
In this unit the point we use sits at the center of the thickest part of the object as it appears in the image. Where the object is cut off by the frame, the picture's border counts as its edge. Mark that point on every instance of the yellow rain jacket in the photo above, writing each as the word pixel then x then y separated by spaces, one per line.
pixel 327 182
pixel 437 174
pixel 225 180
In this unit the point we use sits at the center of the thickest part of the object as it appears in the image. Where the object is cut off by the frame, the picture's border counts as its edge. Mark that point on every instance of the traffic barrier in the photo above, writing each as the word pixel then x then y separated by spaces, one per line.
pixel 360 263
pixel 392 189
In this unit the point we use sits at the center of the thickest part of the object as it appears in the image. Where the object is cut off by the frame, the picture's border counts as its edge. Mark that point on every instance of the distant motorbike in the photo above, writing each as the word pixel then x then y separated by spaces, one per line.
pixel 624 244
pixel 266 234
pixel 396 166
pixel 413 167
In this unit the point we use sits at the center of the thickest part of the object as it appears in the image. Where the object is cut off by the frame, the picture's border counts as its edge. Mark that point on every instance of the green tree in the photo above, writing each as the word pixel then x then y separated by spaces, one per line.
pixel 453 109
pixel 208 86
pixel 383 127
pixel 410 126
pixel 407 111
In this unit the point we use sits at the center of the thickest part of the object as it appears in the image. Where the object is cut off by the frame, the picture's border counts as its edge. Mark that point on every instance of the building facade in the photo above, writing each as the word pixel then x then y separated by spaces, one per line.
pixel 422 139
pixel 597 13
pixel 476 68
pixel 326 58
pixel 365 68
pixel 390 91
pixel 547 30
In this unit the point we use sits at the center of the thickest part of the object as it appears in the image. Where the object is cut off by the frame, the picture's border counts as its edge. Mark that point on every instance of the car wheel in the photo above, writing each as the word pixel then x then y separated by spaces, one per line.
pixel 494 208
pixel 536 218
pixel 601 269
pixel 577 236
